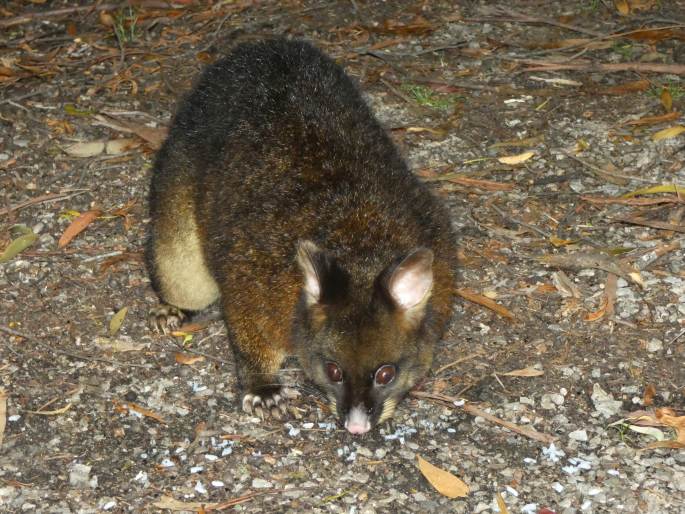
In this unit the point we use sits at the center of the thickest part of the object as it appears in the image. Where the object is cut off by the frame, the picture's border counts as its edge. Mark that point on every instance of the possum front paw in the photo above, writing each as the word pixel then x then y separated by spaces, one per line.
pixel 271 401
pixel 165 318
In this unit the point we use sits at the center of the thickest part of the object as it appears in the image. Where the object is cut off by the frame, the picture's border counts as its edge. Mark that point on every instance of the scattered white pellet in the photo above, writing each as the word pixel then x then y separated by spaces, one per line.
pixel 196 469
pixel 530 508
pixel 217 483
pixel 141 477
pixel 307 426
pixel 553 453
pixel 211 457
pixel 109 505
pixel 292 431
pixel 512 491
pixel 557 487
pixel 167 463
pixel 14 417
pixel 200 488
pixel 528 460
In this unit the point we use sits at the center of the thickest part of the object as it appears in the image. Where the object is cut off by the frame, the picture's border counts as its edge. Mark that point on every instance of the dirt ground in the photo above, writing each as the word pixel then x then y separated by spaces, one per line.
pixel 551 129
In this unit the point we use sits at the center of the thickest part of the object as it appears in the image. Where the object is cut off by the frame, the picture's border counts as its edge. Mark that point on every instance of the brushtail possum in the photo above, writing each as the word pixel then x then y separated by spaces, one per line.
pixel 279 195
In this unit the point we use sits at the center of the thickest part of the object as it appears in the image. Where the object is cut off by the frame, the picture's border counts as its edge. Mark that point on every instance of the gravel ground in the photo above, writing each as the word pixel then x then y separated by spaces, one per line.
pixel 588 287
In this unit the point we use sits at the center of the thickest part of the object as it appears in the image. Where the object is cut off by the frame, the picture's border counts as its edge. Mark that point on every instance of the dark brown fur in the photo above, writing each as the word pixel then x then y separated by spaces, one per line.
pixel 274 148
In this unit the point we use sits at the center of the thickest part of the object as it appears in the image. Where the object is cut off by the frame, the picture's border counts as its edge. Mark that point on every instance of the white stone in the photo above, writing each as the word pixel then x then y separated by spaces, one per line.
pixel 578 435
pixel 604 402
pixel 260 483
pixel 655 345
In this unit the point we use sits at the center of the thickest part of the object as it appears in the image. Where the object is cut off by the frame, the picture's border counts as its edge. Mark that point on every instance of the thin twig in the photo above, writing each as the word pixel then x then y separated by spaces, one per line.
pixel 640 67
pixel 603 173
pixel 471 409
pixel 40 15
pixel 78 356
pixel 50 197
pixel 506 216
pixel 527 18
pixel 23 97
pixel 661 225
pixel 618 35
pixel 396 91
pixel 454 363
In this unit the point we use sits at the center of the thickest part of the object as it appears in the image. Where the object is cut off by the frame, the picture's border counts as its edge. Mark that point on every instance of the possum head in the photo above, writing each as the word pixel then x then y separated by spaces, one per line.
pixel 364 341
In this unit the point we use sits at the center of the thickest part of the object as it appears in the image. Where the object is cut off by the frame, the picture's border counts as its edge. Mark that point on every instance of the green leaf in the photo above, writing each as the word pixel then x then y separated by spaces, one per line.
pixel 21 243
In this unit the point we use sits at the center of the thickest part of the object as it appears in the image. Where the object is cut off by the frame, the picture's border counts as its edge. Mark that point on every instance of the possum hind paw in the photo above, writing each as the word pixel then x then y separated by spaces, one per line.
pixel 165 318
pixel 272 404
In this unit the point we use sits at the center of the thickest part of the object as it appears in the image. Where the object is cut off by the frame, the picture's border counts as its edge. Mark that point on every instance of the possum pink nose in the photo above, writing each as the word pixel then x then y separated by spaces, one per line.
pixel 357 421
pixel 354 428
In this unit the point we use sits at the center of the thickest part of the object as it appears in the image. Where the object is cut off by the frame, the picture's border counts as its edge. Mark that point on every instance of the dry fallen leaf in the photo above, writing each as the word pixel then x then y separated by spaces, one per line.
pixel 85 149
pixel 622 7
pixel 117 320
pixel 130 406
pixel 666 100
pixel 117 146
pixel 661 188
pixel 653 120
pixel 650 393
pixel 628 87
pixel 169 503
pixel 188 359
pixel 668 133
pixel 599 313
pixel 118 345
pixel 444 482
pixel 516 159
pixel 77 226
pixel 525 372
pixel 662 417
pixel 501 505
pixel 485 302
pixel 668 417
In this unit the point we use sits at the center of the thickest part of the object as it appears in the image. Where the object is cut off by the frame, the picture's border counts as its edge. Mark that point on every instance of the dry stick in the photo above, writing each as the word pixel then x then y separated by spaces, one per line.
pixel 526 18
pixel 603 173
pixel 506 216
pixel 618 35
pixel 26 18
pixel 396 91
pixel 662 225
pixel 640 67
pixel 23 97
pixel 475 411
pixel 584 260
pixel 49 348
pixel 50 197
pixel 454 363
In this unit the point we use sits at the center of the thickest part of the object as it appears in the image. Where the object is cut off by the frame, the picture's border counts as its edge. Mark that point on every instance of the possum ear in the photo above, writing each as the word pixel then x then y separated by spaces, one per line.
pixel 410 283
pixel 324 281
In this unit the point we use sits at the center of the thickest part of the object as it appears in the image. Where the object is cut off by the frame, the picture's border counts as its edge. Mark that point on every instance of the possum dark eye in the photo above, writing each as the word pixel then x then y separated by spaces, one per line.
pixel 334 372
pixel 385 374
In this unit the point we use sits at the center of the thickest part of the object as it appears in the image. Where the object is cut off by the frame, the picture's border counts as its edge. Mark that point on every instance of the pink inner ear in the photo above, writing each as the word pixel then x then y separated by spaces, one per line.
pixel 411 282
pixel 312 285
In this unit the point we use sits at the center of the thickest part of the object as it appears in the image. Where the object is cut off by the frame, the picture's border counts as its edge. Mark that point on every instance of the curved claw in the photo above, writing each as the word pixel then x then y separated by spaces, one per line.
pixel 274 405
pixel 165 318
